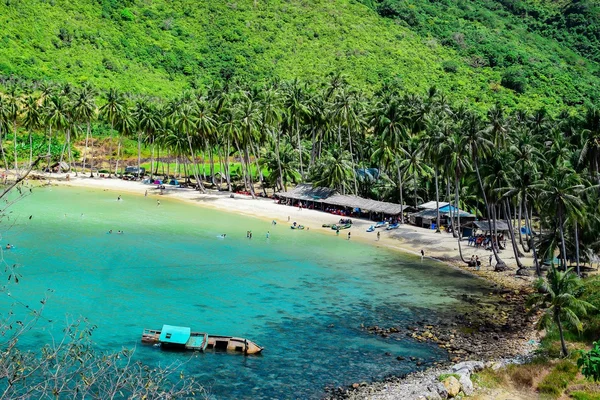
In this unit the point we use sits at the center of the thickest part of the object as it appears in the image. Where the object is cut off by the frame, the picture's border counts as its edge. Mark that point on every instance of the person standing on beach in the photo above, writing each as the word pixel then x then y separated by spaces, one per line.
pixel 146 194
pixel 478 263
pixel 422 254
pixel 348 235
pixel 157 203
pixel 337 231
pixel 490 260
pixel 288 218
pixel 378 235
pixel 268 234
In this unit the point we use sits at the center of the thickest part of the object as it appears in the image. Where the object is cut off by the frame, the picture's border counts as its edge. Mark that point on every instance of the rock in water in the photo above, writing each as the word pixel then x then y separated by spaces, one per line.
pixel 452 385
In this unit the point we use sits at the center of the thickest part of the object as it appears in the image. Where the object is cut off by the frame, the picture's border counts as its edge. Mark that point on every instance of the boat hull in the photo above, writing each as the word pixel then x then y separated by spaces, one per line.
pixel 199 341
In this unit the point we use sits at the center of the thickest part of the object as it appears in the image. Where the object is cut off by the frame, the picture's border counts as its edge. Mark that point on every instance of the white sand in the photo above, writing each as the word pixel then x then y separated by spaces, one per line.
pixel 407 238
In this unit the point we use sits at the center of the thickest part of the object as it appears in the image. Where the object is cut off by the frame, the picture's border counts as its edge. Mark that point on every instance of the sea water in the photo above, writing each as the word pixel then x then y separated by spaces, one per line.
pixel 303 295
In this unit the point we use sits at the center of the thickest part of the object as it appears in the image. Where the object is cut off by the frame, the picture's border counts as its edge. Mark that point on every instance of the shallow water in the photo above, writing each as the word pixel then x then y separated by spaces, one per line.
pixel 302 295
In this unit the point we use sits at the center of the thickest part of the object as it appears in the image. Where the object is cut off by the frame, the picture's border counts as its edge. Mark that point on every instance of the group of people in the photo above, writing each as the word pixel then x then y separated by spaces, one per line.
pixel 118 232
pixel 475 262
pixel 486 241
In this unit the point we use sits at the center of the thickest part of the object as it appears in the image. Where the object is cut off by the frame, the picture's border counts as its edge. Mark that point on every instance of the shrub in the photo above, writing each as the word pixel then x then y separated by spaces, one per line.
pixel 589 362
pixel 515 79
pixel 450 66
pixel 127 15
pixel 557 381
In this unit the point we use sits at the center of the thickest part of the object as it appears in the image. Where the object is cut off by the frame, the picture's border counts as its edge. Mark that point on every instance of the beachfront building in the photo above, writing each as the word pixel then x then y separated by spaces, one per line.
pixel 426 217
pixel 328 200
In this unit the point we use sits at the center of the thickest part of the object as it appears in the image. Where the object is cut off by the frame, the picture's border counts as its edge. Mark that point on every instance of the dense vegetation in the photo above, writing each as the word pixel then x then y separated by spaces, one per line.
pixel 481 50
pixel 389 146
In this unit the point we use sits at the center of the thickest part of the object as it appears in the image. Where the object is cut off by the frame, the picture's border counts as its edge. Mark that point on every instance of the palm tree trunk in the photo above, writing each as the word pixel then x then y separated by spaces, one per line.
pixel 313 150
pixel 227 170
pixel 520 200
pixel 196 175
pixel 139 164
pixel 30 148
pixel 500 265
pixel 85 151
pixel 531 245
pixel 512 236
pixel 15 146
pixel 562 239
pixel 91 152
pixel 437 201
pixel 299 149
pixel 457 230
pixel 561 333
pixel 118 155
pixel 152 163
pixel 577 247
pixel 4 154
pixel 110 144
pixel 352 159
pixel 400 191
pixel 279 159
pixel 248 163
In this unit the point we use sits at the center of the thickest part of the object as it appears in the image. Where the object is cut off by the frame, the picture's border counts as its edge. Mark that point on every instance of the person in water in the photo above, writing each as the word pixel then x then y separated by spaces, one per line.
pixel 8 246
pixel 119 198
pixel 110 231
pixel 268 234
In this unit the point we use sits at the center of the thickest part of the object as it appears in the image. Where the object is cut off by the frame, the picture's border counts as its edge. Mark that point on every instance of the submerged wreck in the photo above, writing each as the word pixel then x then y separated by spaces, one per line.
pixel 182 338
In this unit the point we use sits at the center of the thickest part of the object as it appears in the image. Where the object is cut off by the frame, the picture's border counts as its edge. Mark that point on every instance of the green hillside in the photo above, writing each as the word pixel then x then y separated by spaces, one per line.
pixel 475 50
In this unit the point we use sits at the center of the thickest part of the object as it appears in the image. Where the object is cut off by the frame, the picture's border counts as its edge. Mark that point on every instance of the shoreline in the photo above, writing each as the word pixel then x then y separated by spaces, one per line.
pixel 493 330
pixel 408 239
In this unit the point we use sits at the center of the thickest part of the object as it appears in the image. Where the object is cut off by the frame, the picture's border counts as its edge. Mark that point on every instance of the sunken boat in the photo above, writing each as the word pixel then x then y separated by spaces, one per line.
pixel 182 338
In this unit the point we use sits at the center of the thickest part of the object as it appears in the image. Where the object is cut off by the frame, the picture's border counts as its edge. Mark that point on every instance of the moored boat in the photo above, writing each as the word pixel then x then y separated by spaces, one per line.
pixel 182 338
pixel 392 226
pixel 381 224
pixel 371 229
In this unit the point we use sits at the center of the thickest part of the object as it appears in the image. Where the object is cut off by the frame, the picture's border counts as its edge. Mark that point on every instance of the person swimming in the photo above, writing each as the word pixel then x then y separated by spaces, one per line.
pixel 222 236
pixel 119 232
pixel 110 231
pixel 8 246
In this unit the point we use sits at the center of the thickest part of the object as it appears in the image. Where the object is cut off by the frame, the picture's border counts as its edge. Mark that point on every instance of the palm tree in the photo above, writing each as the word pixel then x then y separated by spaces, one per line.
pixel 4 125
pixel 480 145
pixel 557 295
pixel 560 192
pixel 13 111
pixel 414 164
pixel 296 109
pixel 182 116
pixel 84 112
pixel 32 119
pixel 334 170
pixel 57 117
pixel 591 144
pixel 112 111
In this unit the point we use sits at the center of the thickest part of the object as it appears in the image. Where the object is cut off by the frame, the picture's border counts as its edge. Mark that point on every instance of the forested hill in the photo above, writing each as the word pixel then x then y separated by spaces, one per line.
pixel 480 50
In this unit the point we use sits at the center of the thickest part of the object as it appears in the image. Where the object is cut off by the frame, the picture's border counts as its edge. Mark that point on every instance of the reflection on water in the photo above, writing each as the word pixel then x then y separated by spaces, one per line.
pixel 302 295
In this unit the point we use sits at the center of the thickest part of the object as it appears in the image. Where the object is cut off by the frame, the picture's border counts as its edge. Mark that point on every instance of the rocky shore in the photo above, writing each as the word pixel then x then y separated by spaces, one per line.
pixel 490 330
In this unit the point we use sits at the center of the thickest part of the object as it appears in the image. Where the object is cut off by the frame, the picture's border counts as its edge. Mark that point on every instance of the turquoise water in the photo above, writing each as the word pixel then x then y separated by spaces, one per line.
pixel 302 295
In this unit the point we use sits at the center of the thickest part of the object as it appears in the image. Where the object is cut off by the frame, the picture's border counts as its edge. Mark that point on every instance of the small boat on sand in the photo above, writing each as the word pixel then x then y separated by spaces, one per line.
pixel 381 224
pixel 182 338
pixel 335 227
pixel 326 225
pixel 371 229
pixel 392 226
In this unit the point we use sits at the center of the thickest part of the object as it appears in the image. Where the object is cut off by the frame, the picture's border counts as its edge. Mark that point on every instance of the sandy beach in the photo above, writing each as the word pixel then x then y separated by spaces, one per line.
pixel 407 238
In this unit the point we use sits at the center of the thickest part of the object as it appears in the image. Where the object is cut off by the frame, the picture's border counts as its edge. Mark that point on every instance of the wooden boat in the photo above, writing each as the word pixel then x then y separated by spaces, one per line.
pixel 182 338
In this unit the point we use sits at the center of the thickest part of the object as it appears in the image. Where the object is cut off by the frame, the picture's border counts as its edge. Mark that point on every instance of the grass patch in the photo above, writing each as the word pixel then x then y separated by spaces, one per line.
pixel 442 377
pixel 555 383
pixel 524 376
pixel 579 395
pixel 490 379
